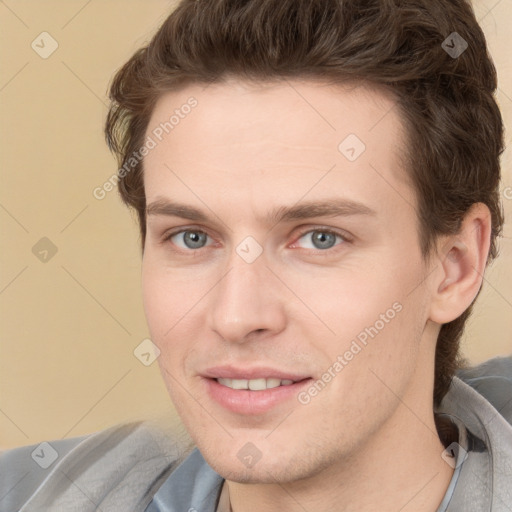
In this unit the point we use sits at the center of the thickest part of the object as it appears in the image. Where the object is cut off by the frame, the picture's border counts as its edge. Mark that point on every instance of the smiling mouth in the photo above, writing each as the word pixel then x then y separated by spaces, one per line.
pixel 254 396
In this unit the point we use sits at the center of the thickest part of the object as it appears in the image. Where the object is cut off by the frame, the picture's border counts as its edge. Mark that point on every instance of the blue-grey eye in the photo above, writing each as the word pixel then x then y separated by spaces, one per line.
pixel 320 239
pixel 191 239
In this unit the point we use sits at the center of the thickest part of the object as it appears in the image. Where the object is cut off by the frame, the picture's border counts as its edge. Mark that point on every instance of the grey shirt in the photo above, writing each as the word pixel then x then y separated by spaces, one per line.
pixel 136 467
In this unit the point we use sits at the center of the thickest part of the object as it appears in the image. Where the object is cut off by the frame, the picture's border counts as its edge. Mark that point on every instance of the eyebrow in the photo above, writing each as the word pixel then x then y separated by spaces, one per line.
pixel 326 208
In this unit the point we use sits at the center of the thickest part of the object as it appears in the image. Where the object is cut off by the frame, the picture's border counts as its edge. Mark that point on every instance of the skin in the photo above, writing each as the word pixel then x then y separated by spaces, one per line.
pixel 367 440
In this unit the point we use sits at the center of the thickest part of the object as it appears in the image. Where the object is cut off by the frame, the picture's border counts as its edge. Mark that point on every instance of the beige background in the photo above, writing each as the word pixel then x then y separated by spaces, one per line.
pixel 69 325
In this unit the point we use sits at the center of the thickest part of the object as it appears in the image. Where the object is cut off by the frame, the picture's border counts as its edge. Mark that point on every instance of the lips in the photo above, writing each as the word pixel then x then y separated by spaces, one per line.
pixel 251 391
pixel 249 373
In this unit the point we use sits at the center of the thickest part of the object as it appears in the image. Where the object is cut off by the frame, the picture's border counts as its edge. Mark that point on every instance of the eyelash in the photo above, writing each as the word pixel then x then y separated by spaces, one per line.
pixel 344 237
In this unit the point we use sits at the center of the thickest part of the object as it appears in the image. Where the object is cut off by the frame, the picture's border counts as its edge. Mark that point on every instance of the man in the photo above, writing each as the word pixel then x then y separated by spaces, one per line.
pixel 317 189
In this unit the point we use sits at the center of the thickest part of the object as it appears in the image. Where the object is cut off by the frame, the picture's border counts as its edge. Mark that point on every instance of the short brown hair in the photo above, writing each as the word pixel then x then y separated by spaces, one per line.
pixel 453 124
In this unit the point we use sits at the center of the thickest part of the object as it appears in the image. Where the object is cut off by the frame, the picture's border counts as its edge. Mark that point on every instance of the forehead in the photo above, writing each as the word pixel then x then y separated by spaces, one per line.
pixel 273 108
pixel 275 139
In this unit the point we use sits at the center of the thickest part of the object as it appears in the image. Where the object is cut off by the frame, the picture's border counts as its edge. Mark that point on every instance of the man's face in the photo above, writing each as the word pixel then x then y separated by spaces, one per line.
pixel 336 303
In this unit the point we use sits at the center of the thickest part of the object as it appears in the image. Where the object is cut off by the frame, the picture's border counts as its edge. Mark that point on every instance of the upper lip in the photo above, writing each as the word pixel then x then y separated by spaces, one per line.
pixel 249 373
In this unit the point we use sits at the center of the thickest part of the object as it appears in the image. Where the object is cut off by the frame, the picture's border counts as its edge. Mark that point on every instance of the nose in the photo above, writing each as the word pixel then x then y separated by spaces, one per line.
pixel 247 301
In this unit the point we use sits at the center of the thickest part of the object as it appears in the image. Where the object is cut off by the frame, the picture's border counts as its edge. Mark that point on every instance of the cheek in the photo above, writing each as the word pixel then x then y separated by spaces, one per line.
pixel 379 352
pixel 349 300
pixel 156 302
pixel 169 308
pixel 164 292
pixel 163 302
pixel 373 321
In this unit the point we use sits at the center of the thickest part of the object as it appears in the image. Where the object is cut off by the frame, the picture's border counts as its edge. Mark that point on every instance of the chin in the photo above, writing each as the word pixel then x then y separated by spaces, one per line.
pixel 271 468
pixel 249 477
pixel 260 474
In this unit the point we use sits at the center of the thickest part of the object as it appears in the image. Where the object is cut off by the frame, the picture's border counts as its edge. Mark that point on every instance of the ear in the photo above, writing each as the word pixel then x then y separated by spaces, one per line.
pixel 461 263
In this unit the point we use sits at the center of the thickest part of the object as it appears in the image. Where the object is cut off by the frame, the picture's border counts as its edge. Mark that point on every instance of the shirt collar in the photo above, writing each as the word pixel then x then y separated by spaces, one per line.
pixel 193 486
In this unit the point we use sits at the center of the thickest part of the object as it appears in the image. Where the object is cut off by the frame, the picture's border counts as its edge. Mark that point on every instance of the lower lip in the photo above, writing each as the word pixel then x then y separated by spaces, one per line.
pixel 245 401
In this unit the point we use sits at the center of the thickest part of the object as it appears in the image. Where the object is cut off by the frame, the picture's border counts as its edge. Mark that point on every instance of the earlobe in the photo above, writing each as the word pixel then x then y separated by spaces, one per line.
pixel 461 261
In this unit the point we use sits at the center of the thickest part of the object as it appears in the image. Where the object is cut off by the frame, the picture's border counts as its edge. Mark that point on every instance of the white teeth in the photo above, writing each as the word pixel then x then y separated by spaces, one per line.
pixel 254 384
pixel 239 383
pixel 272 383
pixel 257 384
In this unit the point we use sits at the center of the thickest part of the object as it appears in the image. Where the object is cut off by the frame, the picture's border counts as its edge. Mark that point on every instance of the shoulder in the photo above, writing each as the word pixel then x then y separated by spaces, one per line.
pixel 50 474
pixel 493 380
pixel 23 469
pixel 479 402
